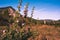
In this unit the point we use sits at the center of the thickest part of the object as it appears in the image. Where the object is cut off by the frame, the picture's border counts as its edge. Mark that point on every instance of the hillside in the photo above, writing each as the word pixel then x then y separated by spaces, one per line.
pixel 13 26
pixel 7 13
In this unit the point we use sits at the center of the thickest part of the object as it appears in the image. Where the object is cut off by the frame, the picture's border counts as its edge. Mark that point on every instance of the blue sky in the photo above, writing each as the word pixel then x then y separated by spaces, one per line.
pixel 44 9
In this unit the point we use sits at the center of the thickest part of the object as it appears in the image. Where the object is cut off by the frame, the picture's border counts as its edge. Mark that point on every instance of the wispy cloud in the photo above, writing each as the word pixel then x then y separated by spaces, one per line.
pixel 46 14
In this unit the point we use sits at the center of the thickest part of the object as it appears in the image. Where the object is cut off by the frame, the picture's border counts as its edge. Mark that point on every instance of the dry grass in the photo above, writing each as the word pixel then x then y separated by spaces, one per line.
pixel 49 32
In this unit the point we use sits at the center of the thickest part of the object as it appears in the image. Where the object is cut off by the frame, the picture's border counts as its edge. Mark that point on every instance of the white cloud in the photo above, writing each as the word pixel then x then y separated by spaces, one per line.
pixel 44 14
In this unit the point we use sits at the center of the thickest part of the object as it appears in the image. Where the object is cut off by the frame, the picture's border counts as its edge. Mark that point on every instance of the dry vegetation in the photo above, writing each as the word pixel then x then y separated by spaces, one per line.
pixel 43 32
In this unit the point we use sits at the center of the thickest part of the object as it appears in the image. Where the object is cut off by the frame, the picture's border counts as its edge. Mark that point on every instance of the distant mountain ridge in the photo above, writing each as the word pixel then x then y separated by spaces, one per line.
pixel 2 8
